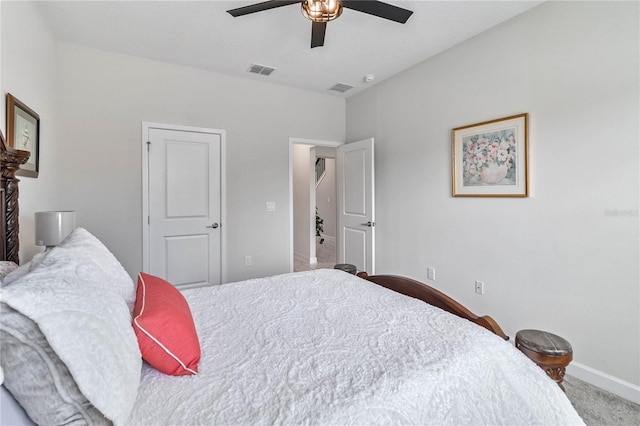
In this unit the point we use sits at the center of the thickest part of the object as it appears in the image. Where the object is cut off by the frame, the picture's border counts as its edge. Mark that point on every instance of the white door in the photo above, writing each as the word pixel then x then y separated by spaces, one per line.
pixel 184 206
pixel 356 205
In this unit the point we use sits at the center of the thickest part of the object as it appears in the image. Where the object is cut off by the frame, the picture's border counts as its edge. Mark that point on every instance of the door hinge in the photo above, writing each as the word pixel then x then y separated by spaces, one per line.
pixel 148 145
pixel 148 220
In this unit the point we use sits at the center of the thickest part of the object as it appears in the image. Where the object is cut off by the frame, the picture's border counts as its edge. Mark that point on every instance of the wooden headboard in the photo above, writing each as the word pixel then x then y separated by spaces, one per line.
pixel 10 161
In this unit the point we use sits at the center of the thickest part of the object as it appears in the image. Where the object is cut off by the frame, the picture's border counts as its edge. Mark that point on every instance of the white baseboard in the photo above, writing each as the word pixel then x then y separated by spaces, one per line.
pixel 329 237
pixel 605 381
pixel 305 259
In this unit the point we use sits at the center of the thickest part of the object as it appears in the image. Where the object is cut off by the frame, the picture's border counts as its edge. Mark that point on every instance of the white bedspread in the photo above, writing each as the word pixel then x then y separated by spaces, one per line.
pixel 325 347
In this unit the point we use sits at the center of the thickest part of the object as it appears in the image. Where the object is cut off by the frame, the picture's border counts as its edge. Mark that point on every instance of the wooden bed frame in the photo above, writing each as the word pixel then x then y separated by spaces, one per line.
pixel 11 159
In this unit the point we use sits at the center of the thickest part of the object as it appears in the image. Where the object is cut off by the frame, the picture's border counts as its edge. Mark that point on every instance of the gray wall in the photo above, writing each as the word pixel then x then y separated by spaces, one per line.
pixel 103 99
pixel 30 72
pixel 92 104
pixel 561 260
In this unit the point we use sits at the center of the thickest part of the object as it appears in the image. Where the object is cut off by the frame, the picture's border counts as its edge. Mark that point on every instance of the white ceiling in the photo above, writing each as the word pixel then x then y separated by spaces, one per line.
pixel 201 34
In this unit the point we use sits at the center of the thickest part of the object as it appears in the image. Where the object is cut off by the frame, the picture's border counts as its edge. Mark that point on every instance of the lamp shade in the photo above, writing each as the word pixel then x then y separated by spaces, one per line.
pixel 53 227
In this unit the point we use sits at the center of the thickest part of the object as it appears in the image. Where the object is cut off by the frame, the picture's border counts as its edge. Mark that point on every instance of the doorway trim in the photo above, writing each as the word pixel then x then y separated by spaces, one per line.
pixel 145 190
pixel 301 141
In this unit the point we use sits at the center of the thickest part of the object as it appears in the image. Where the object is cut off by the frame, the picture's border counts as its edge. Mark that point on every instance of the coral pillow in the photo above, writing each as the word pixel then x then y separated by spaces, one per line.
pixel 164 327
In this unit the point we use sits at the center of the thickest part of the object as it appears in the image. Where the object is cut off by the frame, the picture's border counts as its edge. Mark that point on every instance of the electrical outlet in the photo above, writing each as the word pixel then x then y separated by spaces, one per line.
pixel 271 206
pixel 431 273
pixel 479 287
pixel 247 261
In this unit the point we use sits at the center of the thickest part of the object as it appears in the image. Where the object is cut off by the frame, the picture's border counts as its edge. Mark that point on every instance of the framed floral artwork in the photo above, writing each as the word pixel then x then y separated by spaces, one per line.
pixel 23 133
pixel 490 159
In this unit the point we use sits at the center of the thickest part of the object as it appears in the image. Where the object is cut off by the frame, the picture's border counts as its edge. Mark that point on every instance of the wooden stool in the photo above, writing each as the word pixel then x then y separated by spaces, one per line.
pixel 346 267
pixel 552 353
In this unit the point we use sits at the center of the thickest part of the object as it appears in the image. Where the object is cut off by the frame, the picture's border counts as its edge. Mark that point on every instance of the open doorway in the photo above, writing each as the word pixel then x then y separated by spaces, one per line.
pixel 313 204
pixel 326 207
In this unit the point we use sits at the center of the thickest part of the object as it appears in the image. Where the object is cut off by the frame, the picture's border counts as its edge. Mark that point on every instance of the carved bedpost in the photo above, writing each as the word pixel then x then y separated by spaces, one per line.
pixel 10 161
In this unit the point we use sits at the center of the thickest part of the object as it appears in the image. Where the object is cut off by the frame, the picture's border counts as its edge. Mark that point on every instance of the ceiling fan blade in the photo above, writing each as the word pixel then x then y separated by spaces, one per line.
pixel 318 29
pixel 380 9
pixel 259 7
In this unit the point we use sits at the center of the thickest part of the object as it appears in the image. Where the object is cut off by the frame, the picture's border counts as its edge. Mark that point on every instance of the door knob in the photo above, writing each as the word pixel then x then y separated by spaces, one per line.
pixel 213 226
pixel 369 224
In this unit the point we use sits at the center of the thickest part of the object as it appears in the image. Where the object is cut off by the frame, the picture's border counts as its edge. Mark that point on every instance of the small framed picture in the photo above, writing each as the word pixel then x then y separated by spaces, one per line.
pixel 490 159
pixel 23 133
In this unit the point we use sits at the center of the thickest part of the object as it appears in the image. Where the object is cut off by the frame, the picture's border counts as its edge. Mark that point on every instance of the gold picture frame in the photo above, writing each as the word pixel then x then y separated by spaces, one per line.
pixel 23 133
pixel 491 159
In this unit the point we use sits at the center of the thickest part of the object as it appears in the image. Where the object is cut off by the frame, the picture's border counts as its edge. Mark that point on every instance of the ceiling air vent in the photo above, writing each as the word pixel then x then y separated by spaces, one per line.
pixel 341 87
pixel 261 69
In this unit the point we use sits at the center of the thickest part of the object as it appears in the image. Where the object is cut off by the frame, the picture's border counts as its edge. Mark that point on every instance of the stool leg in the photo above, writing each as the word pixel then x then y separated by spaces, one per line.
pixel 554 366
pixel 556 373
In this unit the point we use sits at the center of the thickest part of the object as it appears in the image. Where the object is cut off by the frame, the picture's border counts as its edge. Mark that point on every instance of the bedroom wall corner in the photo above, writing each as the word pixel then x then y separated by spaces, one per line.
pixel 29 70
pixel 566 258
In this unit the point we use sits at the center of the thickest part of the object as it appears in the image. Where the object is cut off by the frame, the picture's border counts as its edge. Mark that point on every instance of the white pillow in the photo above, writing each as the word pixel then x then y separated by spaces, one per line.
pixel 81 299
pixel 6 267
pixel 37 378
pixel 17 273
pixel 87 249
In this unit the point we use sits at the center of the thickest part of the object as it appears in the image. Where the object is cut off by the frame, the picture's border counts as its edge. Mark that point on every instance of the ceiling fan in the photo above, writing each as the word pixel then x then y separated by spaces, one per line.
pixel 322 11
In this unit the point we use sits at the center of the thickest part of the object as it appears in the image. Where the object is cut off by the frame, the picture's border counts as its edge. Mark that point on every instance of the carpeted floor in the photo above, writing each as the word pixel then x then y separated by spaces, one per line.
pixel 325 253
pixel 598 407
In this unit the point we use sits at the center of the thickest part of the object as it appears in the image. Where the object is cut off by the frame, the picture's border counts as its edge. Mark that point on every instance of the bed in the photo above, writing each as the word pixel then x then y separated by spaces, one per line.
pixel 317 347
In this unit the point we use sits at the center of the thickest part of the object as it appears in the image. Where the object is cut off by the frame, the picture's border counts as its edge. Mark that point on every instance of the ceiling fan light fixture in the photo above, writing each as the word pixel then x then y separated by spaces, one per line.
pixel 321 10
